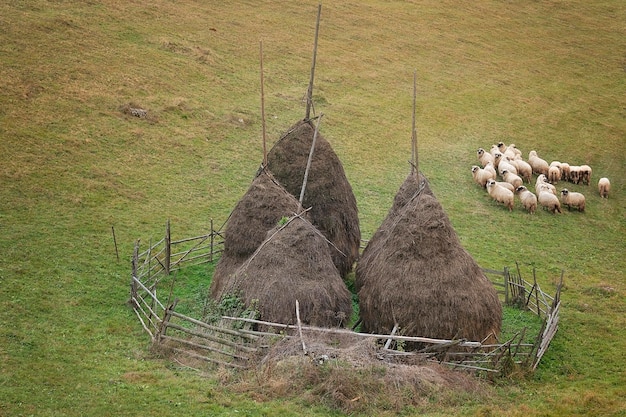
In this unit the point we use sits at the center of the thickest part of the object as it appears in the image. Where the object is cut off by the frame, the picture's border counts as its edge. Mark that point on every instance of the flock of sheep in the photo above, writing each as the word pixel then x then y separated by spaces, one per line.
pixel 507 163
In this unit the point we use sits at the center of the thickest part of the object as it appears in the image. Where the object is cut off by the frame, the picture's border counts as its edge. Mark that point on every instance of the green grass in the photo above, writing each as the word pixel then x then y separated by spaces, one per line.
pixel 545 75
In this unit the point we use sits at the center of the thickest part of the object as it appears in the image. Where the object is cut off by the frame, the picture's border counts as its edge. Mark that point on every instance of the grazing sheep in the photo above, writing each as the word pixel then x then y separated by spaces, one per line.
pixel 542 183
pixel 511 178
pixel 585 174
pixel 483 157
pixel 503 164
pixel 604 187
pixel 554 174
pixel 481 176
pixel 528 199
pixel 524 169
pixel 565 168
pixel 549 201
pixel 501 194
pixel 540 166
pixel 574 174
pixel 506 185
pixel 489 167
pixel 572 199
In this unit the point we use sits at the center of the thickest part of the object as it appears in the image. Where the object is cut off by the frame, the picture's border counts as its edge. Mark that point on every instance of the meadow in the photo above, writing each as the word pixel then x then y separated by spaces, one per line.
pixel 548 76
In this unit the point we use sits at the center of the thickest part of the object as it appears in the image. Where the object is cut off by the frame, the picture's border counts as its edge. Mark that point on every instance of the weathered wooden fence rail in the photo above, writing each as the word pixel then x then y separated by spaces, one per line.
pixel 234 345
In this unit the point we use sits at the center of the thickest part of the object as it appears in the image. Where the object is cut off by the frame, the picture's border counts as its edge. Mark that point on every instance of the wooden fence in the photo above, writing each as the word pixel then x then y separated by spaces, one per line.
pixel 235 341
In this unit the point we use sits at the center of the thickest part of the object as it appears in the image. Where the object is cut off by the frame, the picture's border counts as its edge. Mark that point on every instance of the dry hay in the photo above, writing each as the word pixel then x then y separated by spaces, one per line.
pixel 412 185
pixel 345 373
pixel 328 192
pixel 294 263
pixel 259 210
pixel 420 277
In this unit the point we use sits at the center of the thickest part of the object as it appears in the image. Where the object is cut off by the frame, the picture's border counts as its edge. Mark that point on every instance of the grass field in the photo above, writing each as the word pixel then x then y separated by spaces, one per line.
pixel 549 76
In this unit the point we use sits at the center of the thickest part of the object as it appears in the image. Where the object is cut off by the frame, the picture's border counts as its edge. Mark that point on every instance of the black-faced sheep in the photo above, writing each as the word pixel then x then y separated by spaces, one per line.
pixel 528 199
pixel 481 176
pixel 542 183
pixel 549 201
pixel 572 199
pixel 501 194
pixel 503 163
pixel 540 166
pixel 604 187
pixel 574 174
pixel 483 157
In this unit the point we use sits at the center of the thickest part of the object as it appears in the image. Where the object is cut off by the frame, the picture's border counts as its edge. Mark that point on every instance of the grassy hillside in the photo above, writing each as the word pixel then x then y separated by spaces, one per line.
pixel 548 76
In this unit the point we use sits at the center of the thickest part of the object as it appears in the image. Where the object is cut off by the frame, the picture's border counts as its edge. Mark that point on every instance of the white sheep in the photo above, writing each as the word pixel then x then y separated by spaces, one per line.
pixel 494 150
pixel 506 185
pixel 489 167
pixel 549 201
pixel 572 199
pixel 481 176
pixel 574 174
pixel 542 183
pixel 524 169
pixel 500 194
pixel 483 157
pixel 503 164
pixel 540 166
pixel 554 174
pixel 512 179
pixel 528 199
pixel 565 171
pixel 585 174
pixel 604 187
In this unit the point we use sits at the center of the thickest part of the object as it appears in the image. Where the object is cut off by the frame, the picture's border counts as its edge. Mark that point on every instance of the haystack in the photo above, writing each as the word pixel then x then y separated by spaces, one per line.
pixel 294 263
pixel 417 275
pixel 259 210
pixel 328 192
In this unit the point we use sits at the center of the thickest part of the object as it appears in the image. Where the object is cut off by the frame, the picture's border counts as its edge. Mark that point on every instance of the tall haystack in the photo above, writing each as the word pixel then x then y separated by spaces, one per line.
pixel 294 263
pixel 412 185
pixel 420 277
pixel 328 192
pixel 259 210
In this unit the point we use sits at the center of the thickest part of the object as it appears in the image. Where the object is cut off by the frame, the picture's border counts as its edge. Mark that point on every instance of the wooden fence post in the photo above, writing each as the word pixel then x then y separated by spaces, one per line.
pixel 167 315
pixel 168 248
pixel 133 284
pixel 506 285
pixel 212 242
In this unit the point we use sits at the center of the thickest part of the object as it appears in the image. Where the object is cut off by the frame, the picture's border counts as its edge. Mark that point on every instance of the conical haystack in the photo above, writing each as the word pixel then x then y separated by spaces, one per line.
pixel 294 263
pixel 258 211
pixel 409 188
pixel 328 192
pixel 420 277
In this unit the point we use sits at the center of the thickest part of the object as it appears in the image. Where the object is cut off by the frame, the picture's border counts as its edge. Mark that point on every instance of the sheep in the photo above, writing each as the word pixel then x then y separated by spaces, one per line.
pixel 511 152
pixel 574 174
pixel 540 166
pixel 528 199
pixel 542 182
pixel 506 185
pixel 511 178
pixel 572 199
pixel 604 187
pixel 489 167
pixel 585 174
pixel 565 170
pixel 494 150
pixel 501 194
pixel 503 164
pixel 481 176
pixel 483 157
pixel 549 201
pixel 554 174
pixel 524 169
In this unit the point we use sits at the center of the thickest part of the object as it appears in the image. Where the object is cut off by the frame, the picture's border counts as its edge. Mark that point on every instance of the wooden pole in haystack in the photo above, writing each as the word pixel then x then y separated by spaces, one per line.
pixel 263 107
pixel 309 93
pixel 414 161
pixel 308 162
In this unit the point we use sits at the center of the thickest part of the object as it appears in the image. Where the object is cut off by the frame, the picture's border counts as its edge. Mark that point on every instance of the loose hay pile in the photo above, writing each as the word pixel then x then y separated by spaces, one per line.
pixel 328 192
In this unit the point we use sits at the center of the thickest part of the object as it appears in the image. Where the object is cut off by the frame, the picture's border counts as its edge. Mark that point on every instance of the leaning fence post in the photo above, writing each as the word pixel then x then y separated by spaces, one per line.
pixel 212 242
pixel 506 285
pixel 167 315
pixel 133 284
pixel 168 248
